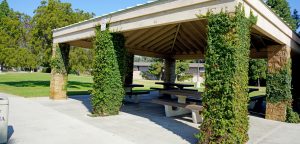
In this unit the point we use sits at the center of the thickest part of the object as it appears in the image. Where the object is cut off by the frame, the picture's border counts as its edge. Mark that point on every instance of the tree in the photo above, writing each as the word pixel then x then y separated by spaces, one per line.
pixel 10 33
pixel 181 67
pixel 156 69
pixel 51 14
pixel 4 9
pixel 80 60
pixel 296 16
pixel 282 8
pixel 257 70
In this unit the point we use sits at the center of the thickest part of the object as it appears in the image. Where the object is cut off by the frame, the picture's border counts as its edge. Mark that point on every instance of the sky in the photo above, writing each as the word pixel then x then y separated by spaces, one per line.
pixel 99 7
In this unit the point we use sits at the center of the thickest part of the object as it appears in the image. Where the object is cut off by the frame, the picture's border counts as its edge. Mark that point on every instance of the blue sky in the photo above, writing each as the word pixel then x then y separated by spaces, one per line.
pixel 99 7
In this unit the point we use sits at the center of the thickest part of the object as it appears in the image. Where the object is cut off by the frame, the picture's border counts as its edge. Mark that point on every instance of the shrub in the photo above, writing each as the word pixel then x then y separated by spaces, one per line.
pixel 108 91
pixel 184 77
pixel 291 116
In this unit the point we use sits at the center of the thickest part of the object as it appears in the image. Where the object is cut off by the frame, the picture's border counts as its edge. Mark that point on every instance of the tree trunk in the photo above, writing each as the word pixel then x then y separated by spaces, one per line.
pixel 2 67
pixel 258 82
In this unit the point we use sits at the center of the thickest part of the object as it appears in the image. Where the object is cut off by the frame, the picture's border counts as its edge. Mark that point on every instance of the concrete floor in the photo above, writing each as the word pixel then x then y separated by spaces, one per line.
pixel 40 120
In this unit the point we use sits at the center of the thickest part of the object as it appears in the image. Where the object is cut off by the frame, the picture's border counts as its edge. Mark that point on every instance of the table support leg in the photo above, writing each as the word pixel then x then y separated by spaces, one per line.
pixel 179 111
pixel 196 116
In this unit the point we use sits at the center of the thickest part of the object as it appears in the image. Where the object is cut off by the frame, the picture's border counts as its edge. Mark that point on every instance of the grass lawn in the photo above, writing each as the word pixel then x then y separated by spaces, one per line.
pixel 37 84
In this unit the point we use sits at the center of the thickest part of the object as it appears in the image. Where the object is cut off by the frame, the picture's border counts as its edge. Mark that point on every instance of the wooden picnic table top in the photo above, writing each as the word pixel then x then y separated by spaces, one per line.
pixel 133 85
pixel 180 85
pixel 187 93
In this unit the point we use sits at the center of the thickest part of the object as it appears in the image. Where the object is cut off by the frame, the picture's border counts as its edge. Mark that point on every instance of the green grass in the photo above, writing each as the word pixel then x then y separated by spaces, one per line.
pixel 37 84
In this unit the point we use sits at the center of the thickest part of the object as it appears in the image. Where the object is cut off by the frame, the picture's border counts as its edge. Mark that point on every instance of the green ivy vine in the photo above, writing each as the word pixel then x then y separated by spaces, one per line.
pixel 226 96
pixel 108 91
pixel 59 63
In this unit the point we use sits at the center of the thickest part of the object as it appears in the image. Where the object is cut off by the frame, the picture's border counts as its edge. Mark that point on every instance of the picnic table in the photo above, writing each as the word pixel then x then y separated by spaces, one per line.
pixel 183 106
pixel 129 87
pixel 168 85
pixel 182 94
pixel 134 96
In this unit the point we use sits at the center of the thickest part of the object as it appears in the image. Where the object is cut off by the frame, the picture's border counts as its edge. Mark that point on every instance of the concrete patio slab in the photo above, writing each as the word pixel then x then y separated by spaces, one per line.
pixel 32 123
pixel 40 120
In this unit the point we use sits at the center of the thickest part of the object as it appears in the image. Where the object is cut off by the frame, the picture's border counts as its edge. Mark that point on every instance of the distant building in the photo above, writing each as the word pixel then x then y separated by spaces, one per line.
pixel 142 67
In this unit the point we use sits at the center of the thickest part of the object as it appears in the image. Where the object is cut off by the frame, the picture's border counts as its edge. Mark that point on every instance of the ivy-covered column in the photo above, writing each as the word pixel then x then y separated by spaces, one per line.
pixel 59 71
pixel 129 68
pixel 108 91
pixel 119 47
pixel 279 95
pixel 170 67
pixel 225 98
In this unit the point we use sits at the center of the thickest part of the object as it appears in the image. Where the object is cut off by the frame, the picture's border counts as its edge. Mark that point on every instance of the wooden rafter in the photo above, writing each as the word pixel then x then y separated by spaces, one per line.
pixel 153 44
pixel 175 37
pixel 162 42
pixel 189 40
pixel 146 36
pixel 161 32
pixel 199 42
pixel 136 35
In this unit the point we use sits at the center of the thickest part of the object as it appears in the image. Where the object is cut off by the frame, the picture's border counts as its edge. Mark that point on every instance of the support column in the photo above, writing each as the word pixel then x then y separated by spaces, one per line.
pixel 129 68
pixel 225 98
pixel 169 74
pixel 278 82
pixel 59 71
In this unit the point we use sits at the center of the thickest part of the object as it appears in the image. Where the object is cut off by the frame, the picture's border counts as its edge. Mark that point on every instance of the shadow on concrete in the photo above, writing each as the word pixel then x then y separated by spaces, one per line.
pixel 10 132
pixel 154 113
pixel 84 99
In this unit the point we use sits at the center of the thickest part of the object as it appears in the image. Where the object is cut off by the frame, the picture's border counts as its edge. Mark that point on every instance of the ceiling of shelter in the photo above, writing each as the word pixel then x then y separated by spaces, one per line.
pixel 186 40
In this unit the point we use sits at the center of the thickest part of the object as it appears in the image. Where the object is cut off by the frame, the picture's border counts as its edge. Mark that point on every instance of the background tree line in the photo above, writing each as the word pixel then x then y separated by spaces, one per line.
pixel 26 42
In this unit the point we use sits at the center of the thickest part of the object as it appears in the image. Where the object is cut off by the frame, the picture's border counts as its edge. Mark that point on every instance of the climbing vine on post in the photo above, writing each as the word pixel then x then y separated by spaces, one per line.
pixel 60 67
pixel 279 86
pixel 225 97
pixel 60 61
pixel 119 47
pixel 108 91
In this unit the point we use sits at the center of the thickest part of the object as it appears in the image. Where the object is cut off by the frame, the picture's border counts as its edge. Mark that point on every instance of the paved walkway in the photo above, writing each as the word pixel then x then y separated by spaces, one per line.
pixel 40 120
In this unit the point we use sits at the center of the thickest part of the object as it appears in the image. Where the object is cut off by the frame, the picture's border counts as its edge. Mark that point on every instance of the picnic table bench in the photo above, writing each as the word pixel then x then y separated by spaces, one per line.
pixel 183 105
pixel 182 108
pixel 134 96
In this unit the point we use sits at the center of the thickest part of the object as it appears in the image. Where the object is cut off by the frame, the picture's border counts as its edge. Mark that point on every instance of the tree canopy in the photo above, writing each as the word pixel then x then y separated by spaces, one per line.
pixel 26 42
pixel 257 69
pixel 282 8
pixel 50 15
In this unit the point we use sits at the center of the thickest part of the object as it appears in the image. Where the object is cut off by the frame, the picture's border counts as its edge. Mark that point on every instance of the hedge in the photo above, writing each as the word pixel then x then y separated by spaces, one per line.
pixel 108 91
pixel 226 96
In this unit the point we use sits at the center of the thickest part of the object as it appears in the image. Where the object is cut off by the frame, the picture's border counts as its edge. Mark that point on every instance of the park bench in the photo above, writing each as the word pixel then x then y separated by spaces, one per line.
pixel 181 108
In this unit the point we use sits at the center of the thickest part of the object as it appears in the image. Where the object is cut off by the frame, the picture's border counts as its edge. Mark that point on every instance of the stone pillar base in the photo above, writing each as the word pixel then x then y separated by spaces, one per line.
pixel 58 89
pixel 276 111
